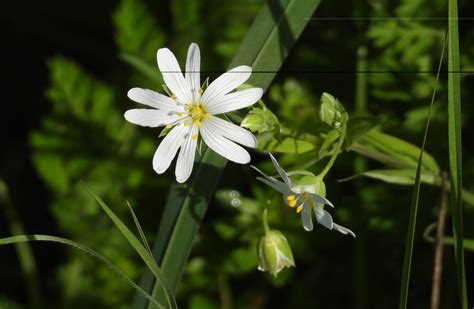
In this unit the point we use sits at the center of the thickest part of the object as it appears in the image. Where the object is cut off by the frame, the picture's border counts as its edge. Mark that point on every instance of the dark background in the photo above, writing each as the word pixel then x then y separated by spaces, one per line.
pixel 35 31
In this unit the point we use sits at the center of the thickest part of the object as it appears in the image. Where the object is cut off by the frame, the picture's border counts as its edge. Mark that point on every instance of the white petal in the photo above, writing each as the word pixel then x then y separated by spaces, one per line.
pixel 232 132
pixel 272 182
pixel 193 64
pixel 321 200
pixel 150 117
pixel 234 101
pixel 278 186
pixel 323 217
pixel 154 99
pixel 172 75
pixel 168 148
pixel 280 171
pixel 306 218
pixel 343 230
pixel 223 146
pixel 184 165
pixel 225 83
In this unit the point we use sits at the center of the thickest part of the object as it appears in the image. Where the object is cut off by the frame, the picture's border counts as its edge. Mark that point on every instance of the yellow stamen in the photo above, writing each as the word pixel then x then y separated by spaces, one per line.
pixel 292 203
pixel 299 209
pixel 195 136
pixel 197 122
pixel 186 124
pixel 180 114
pixel 312 204
pixel 207 116
pixel 290 198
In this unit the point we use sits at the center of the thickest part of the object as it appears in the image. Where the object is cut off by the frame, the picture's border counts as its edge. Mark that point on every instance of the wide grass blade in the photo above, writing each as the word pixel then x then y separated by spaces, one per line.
pixel 455 148
pixel 140 249
pixel 405 281
pixel 266 45
pixel 27 238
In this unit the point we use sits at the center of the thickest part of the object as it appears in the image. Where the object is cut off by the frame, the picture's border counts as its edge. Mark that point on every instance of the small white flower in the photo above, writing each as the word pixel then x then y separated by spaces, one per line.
pixel 191 113
pixel 304 198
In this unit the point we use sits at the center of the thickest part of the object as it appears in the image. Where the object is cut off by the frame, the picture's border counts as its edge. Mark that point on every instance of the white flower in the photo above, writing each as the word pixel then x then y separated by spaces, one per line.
pixel 191 113
pixel 304 198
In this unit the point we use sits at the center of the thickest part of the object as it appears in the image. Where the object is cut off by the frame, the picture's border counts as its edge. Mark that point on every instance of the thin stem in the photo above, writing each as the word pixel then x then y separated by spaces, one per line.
pixel 438 259
pixel 334 154
pixel 266 228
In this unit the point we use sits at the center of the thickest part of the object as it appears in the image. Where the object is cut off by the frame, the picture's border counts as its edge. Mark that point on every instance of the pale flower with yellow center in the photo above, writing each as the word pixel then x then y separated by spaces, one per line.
pixel 191 113
pixel 304 197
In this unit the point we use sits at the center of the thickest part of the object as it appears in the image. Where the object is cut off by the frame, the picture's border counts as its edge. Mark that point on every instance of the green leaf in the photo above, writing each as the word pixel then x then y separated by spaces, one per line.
pixel 398 149
pixel 402 176
pixel 139 248
pixel 266 45
pixel 455 146
pixel 64 241
pixel 284 144
pixel 272 35
pixel 331 137
pixel 137 33
pixel 358 126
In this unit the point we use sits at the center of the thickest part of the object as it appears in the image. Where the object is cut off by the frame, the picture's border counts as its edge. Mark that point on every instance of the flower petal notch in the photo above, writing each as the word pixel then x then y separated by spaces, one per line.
pixel 191 112
pixel 306 194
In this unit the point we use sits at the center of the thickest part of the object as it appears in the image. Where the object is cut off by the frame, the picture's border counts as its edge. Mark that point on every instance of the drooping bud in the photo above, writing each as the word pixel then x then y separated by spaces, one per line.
pixel 274 252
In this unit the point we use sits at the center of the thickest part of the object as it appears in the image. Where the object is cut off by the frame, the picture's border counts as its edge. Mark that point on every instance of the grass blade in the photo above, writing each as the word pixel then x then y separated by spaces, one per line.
pixel 405 281
pixel 139 248
pixel 28 238
pixel 455 148
pixel 139 228
pixel 266 45
pixel 24 252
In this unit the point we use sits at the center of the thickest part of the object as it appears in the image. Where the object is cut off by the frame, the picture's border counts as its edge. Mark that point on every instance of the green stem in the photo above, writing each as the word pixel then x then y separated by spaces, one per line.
pixel 334 154
pixel 266 228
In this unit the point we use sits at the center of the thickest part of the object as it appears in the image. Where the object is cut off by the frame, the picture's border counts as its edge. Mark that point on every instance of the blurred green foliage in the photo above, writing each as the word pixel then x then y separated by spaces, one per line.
pixel 84 137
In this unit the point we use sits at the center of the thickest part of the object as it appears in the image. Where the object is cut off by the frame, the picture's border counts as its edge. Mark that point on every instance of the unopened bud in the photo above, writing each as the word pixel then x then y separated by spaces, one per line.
pixel 274 253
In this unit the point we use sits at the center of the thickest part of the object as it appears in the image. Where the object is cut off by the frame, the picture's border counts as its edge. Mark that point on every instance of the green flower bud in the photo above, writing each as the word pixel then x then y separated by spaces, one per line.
pixel 254 122
pixel 260 120
pixel 331 111
pixel 274 253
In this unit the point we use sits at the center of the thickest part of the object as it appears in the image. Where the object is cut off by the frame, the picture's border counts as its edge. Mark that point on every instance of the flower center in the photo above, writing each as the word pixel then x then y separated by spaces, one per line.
pixel 197 113
pixel 294 200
